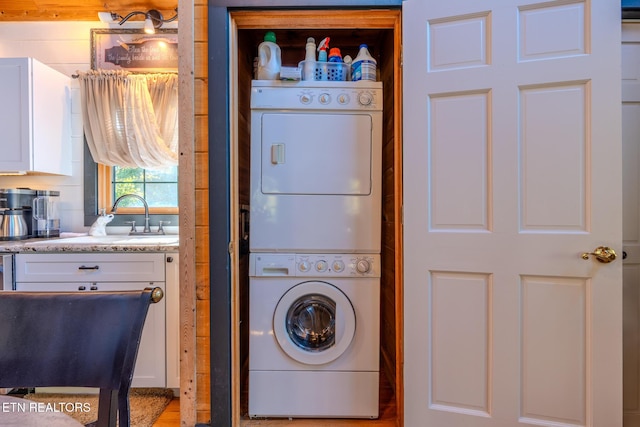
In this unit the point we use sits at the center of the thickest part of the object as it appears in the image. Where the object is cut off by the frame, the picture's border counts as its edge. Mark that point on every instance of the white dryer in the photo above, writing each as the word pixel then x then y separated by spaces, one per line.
pixel 314 335
pixel 316 166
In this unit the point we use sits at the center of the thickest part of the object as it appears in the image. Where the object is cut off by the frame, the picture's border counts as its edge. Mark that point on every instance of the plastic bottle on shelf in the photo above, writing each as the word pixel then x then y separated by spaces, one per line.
pixel 334 55
pixel 322 50
pixel 269 58
pixel 309 63
pixel 347 62
pixel 310 50
pixel 363 66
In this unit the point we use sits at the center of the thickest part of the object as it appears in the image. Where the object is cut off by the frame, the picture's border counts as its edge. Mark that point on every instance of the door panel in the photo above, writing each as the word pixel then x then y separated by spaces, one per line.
pixel 511 171
pixel 316 154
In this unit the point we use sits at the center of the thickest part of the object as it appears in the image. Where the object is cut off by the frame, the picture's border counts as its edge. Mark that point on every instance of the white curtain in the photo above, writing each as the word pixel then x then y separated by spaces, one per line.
pixel 130 120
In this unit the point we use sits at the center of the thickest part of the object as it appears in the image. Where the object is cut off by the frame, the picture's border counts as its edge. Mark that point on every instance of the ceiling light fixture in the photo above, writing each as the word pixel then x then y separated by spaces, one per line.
pixel 153 19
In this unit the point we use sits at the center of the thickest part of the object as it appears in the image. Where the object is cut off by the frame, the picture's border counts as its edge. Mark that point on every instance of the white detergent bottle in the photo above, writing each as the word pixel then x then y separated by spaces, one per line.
pixel 309 63
pixel 363 66
pixel 310 50
pixel 269 58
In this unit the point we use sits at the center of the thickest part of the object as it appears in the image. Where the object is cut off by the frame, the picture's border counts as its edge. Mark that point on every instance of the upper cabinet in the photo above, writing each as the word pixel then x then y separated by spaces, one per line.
pixel 35 111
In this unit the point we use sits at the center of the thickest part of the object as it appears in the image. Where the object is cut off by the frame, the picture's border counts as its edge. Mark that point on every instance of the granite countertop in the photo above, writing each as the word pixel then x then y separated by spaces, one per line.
pixel 109 243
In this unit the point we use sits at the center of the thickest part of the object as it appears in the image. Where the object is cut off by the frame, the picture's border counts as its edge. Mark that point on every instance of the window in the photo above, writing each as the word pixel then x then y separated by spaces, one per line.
pixel 159 187
pixel 104 184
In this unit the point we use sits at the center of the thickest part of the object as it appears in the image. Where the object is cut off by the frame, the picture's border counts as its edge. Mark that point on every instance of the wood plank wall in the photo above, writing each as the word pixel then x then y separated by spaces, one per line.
pixel 203 369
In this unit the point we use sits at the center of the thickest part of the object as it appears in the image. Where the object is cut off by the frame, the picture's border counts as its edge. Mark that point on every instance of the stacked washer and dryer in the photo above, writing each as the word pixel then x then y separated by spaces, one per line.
pixel 314 285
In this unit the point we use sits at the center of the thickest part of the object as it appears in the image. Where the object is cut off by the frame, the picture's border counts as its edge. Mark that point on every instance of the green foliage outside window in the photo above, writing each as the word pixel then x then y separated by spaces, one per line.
pixel 159 187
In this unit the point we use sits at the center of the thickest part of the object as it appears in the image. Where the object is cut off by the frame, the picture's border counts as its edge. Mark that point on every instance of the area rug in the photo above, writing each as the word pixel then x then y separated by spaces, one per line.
pixel 146 405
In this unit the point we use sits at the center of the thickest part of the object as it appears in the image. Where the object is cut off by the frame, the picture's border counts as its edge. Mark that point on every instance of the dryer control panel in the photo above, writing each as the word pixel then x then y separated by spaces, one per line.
pixel 314 265
pixel 316 95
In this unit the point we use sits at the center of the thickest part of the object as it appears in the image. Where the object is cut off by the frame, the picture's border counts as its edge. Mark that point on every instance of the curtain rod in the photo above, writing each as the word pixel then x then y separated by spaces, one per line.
pixel 75 76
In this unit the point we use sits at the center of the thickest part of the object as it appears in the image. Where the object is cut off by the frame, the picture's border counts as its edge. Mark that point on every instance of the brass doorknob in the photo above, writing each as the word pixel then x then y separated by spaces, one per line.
pixel 602 254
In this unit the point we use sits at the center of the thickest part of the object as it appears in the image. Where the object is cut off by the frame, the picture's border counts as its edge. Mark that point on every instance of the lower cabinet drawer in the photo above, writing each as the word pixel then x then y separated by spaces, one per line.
pixel 91 267
pixel 84 286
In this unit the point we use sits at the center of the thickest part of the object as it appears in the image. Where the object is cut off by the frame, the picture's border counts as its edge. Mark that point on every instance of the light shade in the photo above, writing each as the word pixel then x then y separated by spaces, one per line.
pixel 107 17
pixel 148 26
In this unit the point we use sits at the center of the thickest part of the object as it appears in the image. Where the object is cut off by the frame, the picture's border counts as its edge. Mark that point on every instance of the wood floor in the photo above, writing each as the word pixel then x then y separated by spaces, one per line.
pixel 171 415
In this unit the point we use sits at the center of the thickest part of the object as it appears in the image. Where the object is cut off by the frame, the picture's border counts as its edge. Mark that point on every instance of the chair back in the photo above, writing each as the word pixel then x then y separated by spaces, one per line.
pixel 73 339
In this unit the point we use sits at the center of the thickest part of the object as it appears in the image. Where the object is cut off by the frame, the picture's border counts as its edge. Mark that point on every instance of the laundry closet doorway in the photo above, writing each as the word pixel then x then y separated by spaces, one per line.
pixel 380 28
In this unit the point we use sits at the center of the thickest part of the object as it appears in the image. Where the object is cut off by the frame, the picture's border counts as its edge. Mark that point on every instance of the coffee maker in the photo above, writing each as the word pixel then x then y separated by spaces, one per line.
pixel 26 213
pixel 15 207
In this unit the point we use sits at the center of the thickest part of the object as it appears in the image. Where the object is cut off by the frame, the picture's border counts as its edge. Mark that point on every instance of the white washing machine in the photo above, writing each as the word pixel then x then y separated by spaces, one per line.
pixel 314 335
pixel 316 166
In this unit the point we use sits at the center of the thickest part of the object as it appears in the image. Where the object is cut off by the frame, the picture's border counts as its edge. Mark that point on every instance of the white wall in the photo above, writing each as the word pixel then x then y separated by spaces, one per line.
pixel 64 46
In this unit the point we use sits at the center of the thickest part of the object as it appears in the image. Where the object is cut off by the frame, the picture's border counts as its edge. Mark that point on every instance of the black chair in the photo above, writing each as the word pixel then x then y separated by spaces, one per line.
pixel 74 339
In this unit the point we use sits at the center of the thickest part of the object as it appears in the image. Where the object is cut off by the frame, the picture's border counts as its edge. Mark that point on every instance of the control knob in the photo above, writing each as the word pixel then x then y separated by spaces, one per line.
pixel 324 98
pixel 343 99
pixel 338 266
pixel 363 266
pixel 305 99
pixel 321 266
pixel 365 98
pixel 304 266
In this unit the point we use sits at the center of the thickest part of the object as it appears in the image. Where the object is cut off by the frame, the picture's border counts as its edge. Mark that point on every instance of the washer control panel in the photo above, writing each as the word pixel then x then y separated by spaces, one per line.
pixel 315 265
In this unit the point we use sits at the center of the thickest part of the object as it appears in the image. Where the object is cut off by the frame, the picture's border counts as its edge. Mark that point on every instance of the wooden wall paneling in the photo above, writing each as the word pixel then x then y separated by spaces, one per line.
pixel 202 282
pixel 308 19
pixel 203 402
pixel 198 29
pixel 38 10
pixel 186 184
pixel 201 133
pixel 201 99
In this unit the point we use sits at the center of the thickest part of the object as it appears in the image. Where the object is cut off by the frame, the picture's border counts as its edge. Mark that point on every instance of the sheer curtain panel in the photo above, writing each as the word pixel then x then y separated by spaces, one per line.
pixel 130 120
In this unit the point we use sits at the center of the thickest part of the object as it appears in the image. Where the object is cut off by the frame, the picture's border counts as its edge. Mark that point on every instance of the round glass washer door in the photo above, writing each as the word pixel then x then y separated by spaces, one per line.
pixel 314 323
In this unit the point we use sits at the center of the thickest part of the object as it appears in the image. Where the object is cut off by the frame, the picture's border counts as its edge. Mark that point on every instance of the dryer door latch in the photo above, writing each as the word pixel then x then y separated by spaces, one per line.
pixel 277 154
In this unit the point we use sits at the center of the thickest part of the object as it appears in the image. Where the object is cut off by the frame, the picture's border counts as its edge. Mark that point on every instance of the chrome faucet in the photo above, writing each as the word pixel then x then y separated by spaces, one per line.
pixel 147 228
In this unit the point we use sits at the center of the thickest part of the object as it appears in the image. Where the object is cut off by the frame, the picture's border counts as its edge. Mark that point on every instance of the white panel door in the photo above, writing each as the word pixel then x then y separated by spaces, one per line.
pixel 512 170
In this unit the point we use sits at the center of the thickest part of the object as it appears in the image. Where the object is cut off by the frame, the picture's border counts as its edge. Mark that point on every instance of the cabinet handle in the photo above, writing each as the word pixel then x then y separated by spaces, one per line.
pixel 169 259
pixel 84 267
pixel 82 288
pixel 94 288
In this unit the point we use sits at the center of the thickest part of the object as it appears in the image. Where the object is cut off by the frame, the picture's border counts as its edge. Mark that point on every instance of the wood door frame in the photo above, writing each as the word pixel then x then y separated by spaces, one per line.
pixel 225 372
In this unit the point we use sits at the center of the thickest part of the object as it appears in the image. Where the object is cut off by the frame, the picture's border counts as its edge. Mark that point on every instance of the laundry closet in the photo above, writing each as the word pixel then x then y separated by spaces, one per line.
pixel 380 30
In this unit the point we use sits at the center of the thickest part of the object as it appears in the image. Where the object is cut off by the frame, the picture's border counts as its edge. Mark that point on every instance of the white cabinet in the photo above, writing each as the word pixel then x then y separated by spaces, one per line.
pixel 35 114
pixel 88 272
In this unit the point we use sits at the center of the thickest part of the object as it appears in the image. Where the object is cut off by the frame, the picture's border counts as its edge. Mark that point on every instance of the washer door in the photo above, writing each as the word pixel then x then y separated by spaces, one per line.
pixel 314 323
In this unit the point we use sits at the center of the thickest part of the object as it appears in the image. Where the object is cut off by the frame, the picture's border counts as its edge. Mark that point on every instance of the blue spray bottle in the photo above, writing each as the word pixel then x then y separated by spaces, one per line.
pixel 322 49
